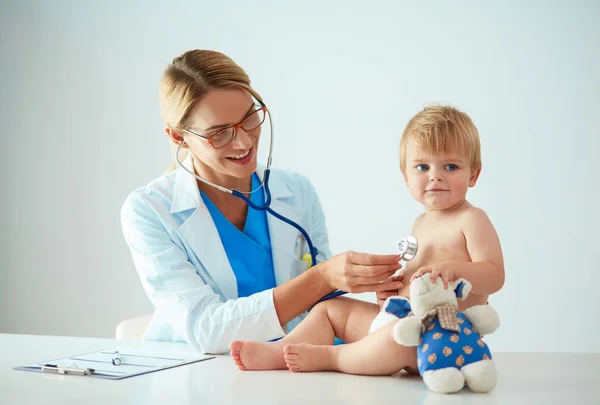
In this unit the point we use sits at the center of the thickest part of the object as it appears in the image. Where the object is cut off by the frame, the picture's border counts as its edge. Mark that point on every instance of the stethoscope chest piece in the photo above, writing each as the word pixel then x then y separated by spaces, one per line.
pixel 407 247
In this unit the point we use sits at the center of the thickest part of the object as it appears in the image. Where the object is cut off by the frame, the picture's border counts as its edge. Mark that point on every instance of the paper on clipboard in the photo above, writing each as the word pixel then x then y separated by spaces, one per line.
pixel 99 364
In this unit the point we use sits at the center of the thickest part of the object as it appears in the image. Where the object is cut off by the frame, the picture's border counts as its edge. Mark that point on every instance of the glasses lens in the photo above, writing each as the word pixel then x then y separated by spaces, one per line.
pixel 222 138
pixel 254 120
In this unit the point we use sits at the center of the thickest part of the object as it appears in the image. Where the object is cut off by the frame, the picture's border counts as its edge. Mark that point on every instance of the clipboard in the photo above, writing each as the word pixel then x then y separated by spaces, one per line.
pixel 99 364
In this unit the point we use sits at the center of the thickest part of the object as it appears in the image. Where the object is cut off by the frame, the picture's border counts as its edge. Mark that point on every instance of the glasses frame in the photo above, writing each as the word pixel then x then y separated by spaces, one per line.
pixel 240 124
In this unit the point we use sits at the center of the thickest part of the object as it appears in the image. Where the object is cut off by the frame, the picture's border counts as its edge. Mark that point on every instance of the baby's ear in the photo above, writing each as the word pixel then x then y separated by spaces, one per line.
pixel 462 288
pixel 474 177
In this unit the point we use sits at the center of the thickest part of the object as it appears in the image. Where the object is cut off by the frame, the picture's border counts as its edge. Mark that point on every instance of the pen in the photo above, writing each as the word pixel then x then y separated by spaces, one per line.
pixel 299 242
pixel 67 370
pixel 116 360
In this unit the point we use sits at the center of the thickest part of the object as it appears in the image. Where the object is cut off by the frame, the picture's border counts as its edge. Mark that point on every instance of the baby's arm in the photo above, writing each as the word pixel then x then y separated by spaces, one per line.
pixel 485 272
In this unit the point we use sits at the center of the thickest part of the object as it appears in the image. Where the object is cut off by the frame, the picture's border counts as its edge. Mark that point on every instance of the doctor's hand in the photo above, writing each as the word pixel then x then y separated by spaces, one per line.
pixel 361 272
pixel 385 294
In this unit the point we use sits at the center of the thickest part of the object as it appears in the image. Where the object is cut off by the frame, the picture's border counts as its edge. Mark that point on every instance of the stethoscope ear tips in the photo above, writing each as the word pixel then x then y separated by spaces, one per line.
pixel 407 247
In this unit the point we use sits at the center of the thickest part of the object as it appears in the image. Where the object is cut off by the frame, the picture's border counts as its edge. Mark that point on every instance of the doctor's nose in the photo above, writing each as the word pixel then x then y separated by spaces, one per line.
pixel 242 139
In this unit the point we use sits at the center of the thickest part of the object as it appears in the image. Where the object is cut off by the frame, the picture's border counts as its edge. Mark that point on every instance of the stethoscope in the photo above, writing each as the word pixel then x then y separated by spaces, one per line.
pixel 265 184
pixel 407 247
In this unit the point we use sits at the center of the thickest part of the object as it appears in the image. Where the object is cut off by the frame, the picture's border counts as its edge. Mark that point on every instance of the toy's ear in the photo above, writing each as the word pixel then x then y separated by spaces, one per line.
pixel 398 306
pixel 462 288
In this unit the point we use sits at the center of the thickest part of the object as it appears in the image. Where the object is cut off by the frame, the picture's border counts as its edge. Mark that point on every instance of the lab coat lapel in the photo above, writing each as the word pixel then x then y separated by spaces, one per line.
pixel 283 236
pixel 200 232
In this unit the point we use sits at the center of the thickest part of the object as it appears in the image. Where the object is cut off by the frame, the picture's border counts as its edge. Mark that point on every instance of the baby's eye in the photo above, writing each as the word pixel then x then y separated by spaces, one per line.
pixel 422 168
pixel 451 167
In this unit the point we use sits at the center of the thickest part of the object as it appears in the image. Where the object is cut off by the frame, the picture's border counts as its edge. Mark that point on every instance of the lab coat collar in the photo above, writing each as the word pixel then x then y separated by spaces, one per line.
pixel 279 189
pixel 210 249
pixel 185 190
pixel 186 194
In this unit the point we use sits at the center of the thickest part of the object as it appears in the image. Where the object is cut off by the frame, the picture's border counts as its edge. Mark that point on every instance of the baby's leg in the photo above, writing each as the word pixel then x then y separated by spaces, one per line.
pixel 346 318
pixel 376 354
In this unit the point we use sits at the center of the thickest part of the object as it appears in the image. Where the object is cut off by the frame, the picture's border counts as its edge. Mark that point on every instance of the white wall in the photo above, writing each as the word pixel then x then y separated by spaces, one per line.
pixel 81 129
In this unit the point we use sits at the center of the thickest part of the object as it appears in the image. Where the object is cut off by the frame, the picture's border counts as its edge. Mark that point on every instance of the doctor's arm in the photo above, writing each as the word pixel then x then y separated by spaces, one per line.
pixel 349 271
pixel 192 308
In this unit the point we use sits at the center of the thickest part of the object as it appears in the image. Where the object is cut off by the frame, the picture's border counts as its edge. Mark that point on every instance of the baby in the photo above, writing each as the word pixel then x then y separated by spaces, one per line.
pixel 440 159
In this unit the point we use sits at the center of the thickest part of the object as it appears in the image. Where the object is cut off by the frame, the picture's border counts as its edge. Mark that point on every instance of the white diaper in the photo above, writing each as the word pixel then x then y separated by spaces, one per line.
pixel 383 318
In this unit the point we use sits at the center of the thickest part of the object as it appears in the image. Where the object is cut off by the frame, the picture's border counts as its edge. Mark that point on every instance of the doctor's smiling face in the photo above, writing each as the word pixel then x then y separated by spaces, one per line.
pixel 211 111
pixel 221 151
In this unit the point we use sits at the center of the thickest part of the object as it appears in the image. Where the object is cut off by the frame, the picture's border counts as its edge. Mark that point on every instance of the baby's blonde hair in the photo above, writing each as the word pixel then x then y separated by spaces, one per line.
pixel 442 129
pixel 189 78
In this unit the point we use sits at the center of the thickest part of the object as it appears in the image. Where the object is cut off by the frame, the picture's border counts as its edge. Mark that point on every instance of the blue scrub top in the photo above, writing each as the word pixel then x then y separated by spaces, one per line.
pixel 249 252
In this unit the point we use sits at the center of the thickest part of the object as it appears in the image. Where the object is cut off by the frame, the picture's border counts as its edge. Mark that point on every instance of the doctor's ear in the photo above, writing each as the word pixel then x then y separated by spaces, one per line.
pixel 175 136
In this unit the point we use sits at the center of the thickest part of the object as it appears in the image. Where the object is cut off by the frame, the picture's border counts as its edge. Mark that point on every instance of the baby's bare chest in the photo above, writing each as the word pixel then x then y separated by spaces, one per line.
pixel 438 243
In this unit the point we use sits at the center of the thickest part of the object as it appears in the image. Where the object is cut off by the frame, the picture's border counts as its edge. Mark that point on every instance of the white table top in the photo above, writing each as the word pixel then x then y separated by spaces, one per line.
pixel 523 378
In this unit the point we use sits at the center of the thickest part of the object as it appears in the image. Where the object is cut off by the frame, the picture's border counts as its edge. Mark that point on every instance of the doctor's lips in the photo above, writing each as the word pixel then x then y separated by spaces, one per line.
pixel 435 190
pixel 243 158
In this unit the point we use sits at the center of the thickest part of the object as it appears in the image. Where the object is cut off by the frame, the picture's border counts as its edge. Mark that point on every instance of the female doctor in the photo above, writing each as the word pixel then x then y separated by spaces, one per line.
pixel 215 269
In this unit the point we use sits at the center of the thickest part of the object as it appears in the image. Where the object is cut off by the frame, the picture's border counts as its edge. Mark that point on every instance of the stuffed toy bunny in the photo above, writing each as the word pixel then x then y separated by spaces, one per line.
pixel 450 350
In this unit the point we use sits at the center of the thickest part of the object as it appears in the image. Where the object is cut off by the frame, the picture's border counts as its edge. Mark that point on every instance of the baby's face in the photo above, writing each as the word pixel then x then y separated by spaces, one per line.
pixel 437 182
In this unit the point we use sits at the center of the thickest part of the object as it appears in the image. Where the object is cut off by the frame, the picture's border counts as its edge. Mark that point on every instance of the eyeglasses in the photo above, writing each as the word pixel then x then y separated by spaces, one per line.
pixel 223 136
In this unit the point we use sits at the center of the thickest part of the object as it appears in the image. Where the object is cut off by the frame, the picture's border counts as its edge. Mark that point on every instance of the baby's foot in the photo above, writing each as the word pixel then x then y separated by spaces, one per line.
pixel 305 357
pixel 257 355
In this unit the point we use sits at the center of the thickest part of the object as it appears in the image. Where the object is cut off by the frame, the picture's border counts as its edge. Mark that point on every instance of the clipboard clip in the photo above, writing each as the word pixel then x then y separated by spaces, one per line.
pixel 53 368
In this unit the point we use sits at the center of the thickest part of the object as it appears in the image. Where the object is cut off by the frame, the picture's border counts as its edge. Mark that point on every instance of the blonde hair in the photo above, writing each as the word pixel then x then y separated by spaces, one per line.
pixel 189 77
pixel 442 129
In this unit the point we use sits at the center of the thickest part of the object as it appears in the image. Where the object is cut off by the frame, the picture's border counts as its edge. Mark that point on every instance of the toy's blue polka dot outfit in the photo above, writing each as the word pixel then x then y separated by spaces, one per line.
pixel 442 347
pixel 447 337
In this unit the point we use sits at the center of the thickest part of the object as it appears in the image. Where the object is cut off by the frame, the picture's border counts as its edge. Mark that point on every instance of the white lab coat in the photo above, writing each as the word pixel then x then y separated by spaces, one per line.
pixel 184 269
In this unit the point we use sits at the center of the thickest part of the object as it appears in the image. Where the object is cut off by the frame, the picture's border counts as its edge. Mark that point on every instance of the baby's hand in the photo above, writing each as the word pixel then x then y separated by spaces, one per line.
pixel 384 295
pixel 444 270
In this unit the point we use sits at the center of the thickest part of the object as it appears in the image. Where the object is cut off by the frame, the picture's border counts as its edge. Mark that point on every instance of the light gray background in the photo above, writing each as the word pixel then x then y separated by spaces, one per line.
pixel 81 129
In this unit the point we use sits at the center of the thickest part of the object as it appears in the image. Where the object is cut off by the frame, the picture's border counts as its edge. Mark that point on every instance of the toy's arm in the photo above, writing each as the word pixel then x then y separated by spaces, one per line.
pixel 393 308
pixel 484 318
pixel 407 331
pixel 382 319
